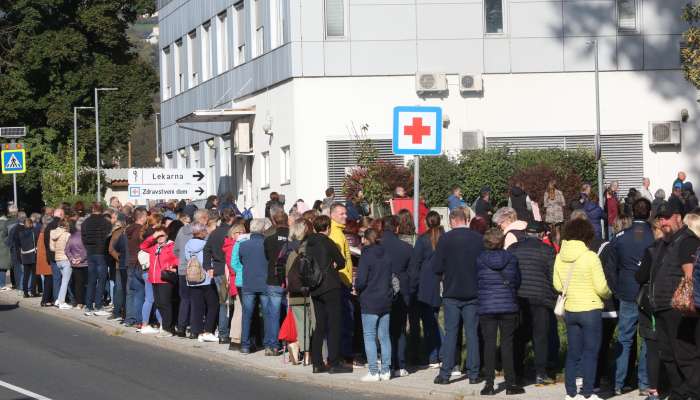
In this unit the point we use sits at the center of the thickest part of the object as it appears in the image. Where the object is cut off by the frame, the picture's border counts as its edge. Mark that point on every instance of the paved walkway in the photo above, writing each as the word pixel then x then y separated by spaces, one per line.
pixel 419 384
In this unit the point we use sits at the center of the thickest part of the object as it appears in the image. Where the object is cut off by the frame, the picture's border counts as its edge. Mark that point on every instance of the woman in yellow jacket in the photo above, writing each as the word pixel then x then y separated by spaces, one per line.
pixel 584 303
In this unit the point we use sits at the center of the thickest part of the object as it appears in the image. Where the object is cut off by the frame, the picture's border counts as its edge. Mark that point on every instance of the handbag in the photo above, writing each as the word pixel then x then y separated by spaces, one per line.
pixel 168 276
pixel 559 309
pixel 682 299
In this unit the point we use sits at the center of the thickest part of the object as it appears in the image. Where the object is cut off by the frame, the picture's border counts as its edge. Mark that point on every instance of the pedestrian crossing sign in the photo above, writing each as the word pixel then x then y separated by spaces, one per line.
pixel 13 161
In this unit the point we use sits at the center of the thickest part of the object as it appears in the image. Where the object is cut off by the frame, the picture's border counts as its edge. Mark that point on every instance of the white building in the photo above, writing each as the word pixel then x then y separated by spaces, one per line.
pixel 288 79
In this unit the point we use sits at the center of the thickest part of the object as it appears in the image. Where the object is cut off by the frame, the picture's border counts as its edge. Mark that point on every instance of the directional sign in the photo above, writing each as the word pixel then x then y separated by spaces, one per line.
pixel 167 176
pixel 417 131
pixel 167 192
pixel 13 161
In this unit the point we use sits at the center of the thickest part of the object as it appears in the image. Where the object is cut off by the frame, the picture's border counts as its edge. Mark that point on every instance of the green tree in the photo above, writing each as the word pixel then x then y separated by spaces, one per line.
pixel 690 53
pixel 53 53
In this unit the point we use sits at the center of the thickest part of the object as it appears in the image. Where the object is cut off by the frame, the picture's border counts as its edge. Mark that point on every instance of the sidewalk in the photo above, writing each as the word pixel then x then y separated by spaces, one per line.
pixel 417 385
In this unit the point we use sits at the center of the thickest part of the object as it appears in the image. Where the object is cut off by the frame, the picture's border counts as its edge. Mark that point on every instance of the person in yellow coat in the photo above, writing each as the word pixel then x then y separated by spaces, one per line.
pixel 579 272
pixel 339 216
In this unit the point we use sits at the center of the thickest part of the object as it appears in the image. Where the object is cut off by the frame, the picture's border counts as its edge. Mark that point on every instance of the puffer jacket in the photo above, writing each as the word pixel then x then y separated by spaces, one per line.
pixel 587 287
pixel 57 244
pixel 498 280
pixel 536 264
pixel 160 258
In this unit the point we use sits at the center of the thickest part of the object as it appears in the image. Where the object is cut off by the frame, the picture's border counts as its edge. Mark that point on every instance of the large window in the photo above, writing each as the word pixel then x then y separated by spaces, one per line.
pixel 627 15
pixel 221 43
pixel 179 78
pixel 277 22
pixel 192 74
pixel 206 51
pixel 259 34
pixel 335 18
pixel 285 165
pixel 164 62
pixel 493 14
pixel 240 34
pixel 265 170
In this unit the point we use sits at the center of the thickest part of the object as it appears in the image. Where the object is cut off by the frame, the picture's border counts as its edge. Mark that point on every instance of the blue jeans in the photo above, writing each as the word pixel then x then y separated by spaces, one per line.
pixel 97 277
pixel 248 301
pixel 583 332
pixel 3 278
pixel 119 297
pixel 433 333
pixel 57 278
pixel 466 310
pixel 18 269
pixel 626 333
pixel 148 302
pixel 374 325
pixel 135 294
pixel 223 310
pixel 348 320
pixel 65 271
pixel 271 303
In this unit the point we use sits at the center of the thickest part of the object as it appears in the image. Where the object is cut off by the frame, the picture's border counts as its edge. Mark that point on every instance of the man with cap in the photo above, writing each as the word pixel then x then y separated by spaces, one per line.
pixel 536 299
pixel 482 206
pixel 673 259
pixel 676 198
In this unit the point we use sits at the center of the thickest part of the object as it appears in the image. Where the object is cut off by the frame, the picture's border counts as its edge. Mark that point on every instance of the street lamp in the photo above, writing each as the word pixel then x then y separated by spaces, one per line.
pixel 75 146
pixel 594 43
pixel 97 137
pixel 157 160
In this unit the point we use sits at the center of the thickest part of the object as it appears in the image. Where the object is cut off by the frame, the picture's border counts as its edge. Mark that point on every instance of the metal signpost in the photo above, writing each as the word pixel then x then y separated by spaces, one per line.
pixel 165 184
pixel 417 132
pixel 13 155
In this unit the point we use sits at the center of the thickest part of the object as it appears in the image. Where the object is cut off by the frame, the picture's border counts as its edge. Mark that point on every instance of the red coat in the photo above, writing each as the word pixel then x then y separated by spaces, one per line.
pixel 228 250
pixel 166 258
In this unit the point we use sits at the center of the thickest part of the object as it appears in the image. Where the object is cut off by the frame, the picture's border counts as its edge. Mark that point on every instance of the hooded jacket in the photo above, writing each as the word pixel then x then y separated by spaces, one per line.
pixel 422 279
pixel 374 280
pixel 587 287
pixel 57 244
pixel 536 264
pixel 498 280
pixel 252 255
pixel 195 248
pixel 160 258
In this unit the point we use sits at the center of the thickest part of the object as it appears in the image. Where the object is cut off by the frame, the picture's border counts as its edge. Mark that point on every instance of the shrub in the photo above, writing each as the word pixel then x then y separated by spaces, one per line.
pixel 536 178
pixel 437 177
pixel 490 167
pixel 377 181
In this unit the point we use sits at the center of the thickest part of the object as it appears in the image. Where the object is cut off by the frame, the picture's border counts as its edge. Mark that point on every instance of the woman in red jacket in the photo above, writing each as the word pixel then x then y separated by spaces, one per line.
pixel 162 259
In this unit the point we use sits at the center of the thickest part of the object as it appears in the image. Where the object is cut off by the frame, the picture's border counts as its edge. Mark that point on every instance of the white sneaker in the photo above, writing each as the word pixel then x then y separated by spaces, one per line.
pixel 64 306
pixel 207 337
pixel 456 371
pixel 592 397
pixel 435 365
pixel 370 377
pixel 165 334
pixel 88 313
pixel 400 373
pixel 149 330
pixel 577 397
pixel 4 288
pixel 385 376
pixel 101 313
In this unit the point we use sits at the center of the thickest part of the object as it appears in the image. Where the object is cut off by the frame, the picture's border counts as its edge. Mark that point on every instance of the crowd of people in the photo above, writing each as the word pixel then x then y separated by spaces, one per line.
pixel 339 289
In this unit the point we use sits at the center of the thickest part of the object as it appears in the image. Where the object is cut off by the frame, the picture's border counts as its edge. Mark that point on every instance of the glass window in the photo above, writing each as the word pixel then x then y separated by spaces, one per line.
pixel 206 51
pixel 493 11
pixel 627 15
pixel 179 78
pixel 240 34
pixel 335 18
pixel 164 62
pixel 193 76
pixel 221 43
pixel 265 169
pixel 258 18
pixel 285 165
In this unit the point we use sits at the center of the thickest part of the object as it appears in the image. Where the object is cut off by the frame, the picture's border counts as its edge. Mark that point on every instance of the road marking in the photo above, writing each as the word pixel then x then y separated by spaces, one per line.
pixel 23 391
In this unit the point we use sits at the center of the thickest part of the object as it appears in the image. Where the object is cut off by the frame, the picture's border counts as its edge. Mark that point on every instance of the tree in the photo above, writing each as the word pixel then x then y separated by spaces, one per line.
pixel 690 53
pixel 53 53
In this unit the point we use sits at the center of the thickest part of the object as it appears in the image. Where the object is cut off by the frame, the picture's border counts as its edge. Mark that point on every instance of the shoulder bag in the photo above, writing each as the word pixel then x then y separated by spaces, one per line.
pixel 559 310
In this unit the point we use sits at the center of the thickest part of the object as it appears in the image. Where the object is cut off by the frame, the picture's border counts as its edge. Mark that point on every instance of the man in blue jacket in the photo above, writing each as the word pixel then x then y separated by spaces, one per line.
pixel 252 255
pixel 400 254
pixel 455 259
pixel 628 249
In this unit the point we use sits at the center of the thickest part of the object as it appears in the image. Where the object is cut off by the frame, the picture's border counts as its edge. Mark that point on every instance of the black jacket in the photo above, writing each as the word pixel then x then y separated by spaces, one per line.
pixel 455 258
pixel 324 252
pixel 423 280
pixel 400 254
pixel 50 255
pixel 677 203
pixel 26 244
pixel 518 200
pixel 273 245
pixel 670 255
pixel 214 256
pixel 374 281
pixel 536 263
pixel 95 233
pixel 643 277
pixel 483 208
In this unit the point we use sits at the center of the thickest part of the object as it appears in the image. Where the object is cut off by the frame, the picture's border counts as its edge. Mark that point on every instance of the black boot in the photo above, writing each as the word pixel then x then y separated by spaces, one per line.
pixel 488 389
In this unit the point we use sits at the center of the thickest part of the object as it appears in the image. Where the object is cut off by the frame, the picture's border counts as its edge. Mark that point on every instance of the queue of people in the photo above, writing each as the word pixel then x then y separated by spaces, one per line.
pixel 370 291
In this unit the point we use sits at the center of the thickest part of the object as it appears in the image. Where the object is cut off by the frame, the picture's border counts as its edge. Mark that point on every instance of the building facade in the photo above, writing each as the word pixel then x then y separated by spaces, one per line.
pixel 291 82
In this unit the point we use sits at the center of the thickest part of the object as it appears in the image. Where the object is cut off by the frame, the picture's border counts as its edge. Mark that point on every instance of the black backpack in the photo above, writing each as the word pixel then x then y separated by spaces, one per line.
pixel 309 271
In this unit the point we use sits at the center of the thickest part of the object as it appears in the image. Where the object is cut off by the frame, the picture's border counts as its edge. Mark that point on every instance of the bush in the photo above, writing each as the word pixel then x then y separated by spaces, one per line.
pixel 377 181
pixel 536 178
pixel 490 167
pixel 437 177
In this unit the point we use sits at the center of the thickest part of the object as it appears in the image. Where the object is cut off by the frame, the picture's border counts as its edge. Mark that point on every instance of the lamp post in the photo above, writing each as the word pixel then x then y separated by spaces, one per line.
pixel 157 120
pixel 97 137
pixel 599 162
pixel 75 146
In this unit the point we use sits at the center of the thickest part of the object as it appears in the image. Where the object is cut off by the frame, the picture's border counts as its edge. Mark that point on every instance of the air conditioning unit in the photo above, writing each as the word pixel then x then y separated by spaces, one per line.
pixel 666 133
pixel 427 83
pixel 472 140
pixel 470 83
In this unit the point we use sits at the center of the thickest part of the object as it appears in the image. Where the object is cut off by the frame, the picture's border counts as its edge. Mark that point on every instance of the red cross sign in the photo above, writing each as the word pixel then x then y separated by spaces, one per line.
pixel 417 131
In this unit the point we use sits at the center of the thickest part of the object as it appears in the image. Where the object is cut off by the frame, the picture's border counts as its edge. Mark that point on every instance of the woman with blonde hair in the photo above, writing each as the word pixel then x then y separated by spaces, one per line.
pixel 298 300
pixel 554 203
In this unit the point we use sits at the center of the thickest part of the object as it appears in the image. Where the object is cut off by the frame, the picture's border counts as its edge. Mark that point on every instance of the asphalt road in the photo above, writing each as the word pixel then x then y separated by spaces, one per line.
pixel 64 360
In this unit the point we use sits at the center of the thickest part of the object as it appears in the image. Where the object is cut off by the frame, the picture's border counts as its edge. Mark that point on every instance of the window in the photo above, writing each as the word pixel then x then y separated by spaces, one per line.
pixel 627 15
pixel 195 156
pixel 179 79
pixel 206 51
pixel 240 34
pixel 265 170
pixel 221 43
pixel 259 33
pixel 285 165
pixel 164 60
pixel 493 12
pixel 335 18
pixel 277 22
pixel 193 76
pixel 213 175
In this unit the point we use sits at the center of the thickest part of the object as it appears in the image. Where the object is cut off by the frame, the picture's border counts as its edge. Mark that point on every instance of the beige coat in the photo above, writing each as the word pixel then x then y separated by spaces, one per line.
pixel 57 244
